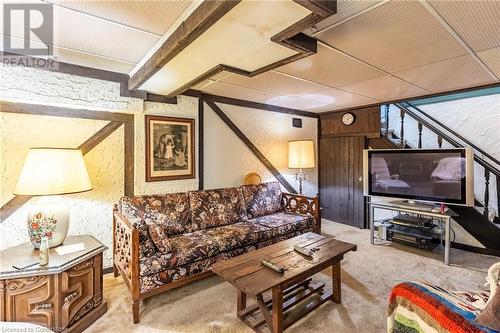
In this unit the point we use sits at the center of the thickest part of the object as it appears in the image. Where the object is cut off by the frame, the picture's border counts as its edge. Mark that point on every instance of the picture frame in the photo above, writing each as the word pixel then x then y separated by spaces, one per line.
pixel 170 150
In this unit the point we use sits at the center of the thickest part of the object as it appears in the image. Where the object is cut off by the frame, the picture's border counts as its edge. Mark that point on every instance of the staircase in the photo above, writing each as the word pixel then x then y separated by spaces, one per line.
pixel 481 221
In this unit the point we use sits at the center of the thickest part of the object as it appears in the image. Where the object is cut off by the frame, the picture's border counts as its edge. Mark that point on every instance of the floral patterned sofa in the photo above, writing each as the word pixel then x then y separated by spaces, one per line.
pixel 165 241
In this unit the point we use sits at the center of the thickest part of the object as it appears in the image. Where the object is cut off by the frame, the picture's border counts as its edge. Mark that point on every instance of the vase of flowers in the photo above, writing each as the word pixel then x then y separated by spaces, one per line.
pixel 47 220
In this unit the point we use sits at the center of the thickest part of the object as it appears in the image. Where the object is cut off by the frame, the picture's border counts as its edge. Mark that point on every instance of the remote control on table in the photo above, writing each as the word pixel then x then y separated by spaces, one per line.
pixel 274 267
pixel 303 250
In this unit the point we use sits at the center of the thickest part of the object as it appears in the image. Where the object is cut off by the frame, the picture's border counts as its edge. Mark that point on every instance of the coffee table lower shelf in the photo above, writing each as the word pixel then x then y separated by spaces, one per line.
pixel 296 302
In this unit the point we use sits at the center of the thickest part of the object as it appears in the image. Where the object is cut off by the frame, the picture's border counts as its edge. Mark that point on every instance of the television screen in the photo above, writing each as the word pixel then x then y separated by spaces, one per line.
pixel 419 174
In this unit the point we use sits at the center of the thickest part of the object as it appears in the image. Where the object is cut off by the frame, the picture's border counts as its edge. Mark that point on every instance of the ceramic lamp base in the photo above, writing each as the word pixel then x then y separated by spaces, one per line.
pixel 49 217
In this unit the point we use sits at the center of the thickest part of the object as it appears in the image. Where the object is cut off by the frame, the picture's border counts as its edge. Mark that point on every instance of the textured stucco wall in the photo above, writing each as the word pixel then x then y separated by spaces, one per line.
pixel 228 160
pixel 187 107
pixel 91 212
pixel 23 84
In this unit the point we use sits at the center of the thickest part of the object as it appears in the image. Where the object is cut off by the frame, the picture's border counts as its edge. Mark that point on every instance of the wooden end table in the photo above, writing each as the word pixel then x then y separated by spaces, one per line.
pixel 294 286
pixel 65 296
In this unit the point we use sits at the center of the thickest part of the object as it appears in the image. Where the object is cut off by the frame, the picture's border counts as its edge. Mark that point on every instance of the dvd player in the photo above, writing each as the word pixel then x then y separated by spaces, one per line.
pixel 411 220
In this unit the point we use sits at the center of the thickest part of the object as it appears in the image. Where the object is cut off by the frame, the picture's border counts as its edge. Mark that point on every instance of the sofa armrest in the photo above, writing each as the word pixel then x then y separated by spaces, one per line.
pixel 298 203
pixel 126 251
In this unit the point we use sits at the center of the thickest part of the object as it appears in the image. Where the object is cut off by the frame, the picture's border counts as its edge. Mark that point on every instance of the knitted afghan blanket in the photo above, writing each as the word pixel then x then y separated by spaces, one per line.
pixel 421 307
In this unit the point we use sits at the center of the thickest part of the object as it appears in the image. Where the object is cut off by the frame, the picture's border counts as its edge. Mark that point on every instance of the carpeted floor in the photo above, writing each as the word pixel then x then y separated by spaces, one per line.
pixel 367 277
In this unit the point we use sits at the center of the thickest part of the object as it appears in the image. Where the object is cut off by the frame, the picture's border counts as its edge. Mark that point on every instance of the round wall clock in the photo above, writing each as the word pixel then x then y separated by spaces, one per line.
pixel 348 118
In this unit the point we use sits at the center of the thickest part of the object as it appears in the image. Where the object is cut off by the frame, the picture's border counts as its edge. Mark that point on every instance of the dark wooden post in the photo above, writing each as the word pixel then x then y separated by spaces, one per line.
pixel 402 132
pixel 440 141
pixel 420 126
pixel 486 191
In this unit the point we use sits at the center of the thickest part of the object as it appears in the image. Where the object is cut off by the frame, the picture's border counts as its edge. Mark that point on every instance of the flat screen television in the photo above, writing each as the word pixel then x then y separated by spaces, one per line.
pixel 431 175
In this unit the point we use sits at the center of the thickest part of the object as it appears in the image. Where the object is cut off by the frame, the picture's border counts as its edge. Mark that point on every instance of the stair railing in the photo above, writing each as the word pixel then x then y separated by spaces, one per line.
pixel 457 135
pixel 454 139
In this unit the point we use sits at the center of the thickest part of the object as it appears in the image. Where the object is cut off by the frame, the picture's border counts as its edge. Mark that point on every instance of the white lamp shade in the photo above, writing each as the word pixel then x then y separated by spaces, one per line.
pixel 51 171
pixel 301 154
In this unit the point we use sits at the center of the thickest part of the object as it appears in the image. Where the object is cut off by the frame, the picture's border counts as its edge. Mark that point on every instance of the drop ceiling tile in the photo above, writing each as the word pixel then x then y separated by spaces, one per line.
pixel 82 59
pixel 327 100
pixel 295 103
pixel 89 60
pixel 395 36
pixel 477 22
pixel 491 58
pixel 153 16
pixel 345 9
pixel 338 99
pixel 229 90
pixel 84 33
pixel 331 68
pixel 274 83
pixel 456 73
pixel 385 88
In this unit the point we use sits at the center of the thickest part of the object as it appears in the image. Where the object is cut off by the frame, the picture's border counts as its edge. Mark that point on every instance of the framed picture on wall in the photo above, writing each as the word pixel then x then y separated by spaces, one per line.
pixel 169 148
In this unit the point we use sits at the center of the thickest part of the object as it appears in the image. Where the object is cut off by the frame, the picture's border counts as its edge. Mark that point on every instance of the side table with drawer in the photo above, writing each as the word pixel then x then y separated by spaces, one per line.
pixel 65 296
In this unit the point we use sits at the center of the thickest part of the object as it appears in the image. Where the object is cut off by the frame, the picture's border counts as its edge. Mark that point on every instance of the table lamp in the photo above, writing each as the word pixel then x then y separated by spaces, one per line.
pixel 301 156
pixel 47 173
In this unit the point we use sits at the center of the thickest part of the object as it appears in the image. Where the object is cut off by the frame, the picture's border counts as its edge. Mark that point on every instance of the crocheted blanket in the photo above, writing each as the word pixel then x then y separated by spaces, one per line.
pixel 421 307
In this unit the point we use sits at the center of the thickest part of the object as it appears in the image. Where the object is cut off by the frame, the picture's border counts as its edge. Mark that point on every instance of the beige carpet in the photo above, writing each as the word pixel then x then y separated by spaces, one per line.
pixel 367 277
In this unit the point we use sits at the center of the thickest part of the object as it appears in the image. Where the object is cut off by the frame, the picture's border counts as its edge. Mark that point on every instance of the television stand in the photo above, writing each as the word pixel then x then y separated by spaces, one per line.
pixel 423 211
pixel 421 206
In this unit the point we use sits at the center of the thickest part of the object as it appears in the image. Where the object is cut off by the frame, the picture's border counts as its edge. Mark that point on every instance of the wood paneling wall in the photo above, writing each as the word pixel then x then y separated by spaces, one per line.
pixel 341 164
pixel 341 185
pixel 366 123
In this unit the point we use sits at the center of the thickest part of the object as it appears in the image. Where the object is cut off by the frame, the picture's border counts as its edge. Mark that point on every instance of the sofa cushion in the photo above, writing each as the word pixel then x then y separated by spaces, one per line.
pixel 205 243
pixel 262 199
pixel 152 281
pixel 283 223
pixel 171 211
pixel 158 217
pixel 214 208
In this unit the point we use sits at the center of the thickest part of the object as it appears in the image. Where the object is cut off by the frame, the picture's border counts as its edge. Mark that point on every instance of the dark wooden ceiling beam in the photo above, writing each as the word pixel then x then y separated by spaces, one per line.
pixel 66 68
pixel 58 111
pixel 210 12
pixel 260 106
pixel 194 26
pixel 145 96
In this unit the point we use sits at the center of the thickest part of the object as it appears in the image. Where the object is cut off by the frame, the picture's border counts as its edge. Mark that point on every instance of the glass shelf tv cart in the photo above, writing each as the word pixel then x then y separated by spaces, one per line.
pixel 415 209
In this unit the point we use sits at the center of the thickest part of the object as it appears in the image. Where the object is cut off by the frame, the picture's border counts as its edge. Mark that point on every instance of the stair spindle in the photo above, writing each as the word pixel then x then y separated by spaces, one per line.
pixel 497 218
pixel 486 191
pixel 440 141
pixel 420 127
pixel 402 132
pixel 387 106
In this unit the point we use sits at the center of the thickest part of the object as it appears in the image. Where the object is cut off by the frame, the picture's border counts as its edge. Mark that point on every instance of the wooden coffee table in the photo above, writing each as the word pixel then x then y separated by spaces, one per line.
pixel 294 294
